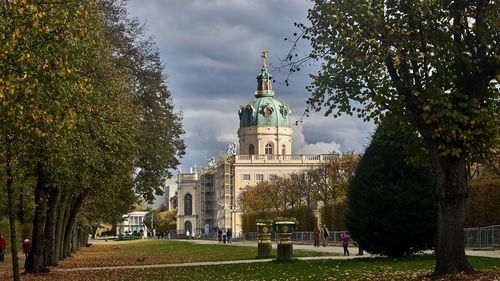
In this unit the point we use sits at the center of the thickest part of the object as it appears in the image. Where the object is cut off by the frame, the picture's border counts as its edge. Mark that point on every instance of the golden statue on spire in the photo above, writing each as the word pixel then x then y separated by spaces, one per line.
pixel 264 58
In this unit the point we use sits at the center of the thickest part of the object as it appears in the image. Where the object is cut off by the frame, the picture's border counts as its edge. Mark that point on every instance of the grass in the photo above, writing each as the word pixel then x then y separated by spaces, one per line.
pixel 137 252
pixel 163 251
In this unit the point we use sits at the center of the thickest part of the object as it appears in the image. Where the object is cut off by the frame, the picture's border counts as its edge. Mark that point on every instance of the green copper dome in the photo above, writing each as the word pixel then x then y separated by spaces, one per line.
pixel 265 110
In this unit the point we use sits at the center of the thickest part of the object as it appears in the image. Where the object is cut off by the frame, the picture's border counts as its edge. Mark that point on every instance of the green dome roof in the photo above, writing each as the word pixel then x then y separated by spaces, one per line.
pixel 265 110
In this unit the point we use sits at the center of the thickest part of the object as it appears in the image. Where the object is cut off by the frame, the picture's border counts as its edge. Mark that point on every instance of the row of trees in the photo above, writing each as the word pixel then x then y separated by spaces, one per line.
pixel 86 120
pixel 326 183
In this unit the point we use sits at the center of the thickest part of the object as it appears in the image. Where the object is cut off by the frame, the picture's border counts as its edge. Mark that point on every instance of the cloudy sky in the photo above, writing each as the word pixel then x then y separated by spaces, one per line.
pixel 211 51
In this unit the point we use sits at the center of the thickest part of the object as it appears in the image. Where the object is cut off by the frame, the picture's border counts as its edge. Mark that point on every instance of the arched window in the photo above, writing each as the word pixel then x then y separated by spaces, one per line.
pixel 251 149
pixel 188 204
pixel 268 149
pixel 283 150
pixel 188 226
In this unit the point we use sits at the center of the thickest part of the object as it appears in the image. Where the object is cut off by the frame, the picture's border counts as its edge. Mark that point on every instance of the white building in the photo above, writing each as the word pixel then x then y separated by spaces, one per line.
pixel 133 223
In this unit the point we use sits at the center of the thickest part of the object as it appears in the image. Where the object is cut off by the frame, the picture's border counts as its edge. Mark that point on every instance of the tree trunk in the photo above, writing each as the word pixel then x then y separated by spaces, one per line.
pixel 75 208
pixel 35 262
pixel 62 241
pixel 21 205
pixel 451 193
pixel 61 207
pixel 12 215
pixel 50 226
pixel 85 239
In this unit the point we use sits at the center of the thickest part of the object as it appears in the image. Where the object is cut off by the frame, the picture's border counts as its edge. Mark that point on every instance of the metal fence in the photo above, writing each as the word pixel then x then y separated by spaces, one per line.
pixel 482 237
pixel 298 237
pixel 478 237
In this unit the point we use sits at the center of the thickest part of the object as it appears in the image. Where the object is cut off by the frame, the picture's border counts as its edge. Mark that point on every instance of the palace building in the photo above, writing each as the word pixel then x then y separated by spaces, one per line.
pixel 207 199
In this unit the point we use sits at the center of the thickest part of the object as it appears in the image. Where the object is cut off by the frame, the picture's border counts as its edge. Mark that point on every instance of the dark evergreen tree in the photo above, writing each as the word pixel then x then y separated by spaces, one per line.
pixel 390 199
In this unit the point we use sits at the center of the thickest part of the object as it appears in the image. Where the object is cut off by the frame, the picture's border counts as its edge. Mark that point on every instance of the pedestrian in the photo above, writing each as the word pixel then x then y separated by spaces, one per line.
pixel 229 235
pixel 224 236
pixel 360 250
pixel 219 235
pixel 26 247
pixel 326 234
pixel 345 242
pixel 187 234
pixel 3 245
pixel 316 234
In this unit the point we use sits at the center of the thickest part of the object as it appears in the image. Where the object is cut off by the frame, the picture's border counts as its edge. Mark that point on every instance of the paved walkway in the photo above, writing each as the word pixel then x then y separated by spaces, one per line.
pixel 339 250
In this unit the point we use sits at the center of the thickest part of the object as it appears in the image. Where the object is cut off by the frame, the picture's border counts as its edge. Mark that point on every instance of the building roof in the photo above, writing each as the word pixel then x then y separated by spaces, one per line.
pixel 265 110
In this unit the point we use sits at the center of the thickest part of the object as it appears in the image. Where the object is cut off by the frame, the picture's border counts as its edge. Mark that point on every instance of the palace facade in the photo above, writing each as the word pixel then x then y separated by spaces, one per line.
pixel 207 199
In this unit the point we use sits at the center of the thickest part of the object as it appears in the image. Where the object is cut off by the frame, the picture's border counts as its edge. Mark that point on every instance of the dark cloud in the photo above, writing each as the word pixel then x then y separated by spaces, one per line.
pixel 211 50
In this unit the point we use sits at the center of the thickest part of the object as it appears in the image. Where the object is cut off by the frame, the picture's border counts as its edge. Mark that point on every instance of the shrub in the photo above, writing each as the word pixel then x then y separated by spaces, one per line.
pixel 390 202
pixel 333 215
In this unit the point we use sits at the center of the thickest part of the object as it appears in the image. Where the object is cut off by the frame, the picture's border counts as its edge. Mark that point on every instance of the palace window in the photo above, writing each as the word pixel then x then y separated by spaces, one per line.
pixel 283 150
pixel 259 177
pixel 246 177
pixel 188 205
pixel 251 149
pixel 188 227
pixel 268 149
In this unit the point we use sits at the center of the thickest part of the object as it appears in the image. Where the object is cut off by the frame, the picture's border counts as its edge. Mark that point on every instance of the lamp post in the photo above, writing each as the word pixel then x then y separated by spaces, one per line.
pixel 152 230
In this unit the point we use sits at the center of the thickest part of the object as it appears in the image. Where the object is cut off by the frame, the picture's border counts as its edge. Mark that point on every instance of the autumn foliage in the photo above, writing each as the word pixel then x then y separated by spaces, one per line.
pixel 483 207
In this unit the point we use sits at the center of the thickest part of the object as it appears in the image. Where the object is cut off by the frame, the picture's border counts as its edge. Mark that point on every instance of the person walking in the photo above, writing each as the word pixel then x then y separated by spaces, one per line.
pixel 187 234
pixel 26 247
pixel 219 235
pixel 316 234
pixel 360 250
pixel 224 236
pixel 3 245
pixel 326 234
pixel 229 235
pixel 345 242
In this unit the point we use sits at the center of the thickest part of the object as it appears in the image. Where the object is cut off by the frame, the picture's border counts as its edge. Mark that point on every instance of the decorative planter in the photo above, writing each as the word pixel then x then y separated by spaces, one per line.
pixel 284 229
pixel 264 232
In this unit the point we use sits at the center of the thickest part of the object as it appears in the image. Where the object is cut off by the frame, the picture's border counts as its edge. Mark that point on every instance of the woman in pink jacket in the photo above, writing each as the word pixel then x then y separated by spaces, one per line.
pixel 345 242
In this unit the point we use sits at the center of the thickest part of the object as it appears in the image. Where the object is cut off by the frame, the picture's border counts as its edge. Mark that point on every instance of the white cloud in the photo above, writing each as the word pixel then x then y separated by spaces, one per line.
pixel 211 49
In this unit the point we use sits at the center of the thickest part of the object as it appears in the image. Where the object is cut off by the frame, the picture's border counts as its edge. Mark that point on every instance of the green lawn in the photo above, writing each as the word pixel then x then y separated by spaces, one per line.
pixel 144 252
pixel 415 268
pixel 136 252
pixel 356 269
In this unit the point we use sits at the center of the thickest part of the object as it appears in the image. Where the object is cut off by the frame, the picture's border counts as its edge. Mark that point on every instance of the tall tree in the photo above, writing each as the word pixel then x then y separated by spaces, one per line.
pixel 435 64
pixel 160 127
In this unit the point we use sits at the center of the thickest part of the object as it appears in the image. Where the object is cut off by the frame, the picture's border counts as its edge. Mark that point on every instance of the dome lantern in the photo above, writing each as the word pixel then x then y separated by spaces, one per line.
pixel 265 121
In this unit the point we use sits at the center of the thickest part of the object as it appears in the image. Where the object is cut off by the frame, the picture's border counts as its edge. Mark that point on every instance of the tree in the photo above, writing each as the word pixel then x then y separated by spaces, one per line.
pixel 167 220
pixel 390 201
pixel 259 198
pixel 434 64
pixel 160 130
pixel 152 220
